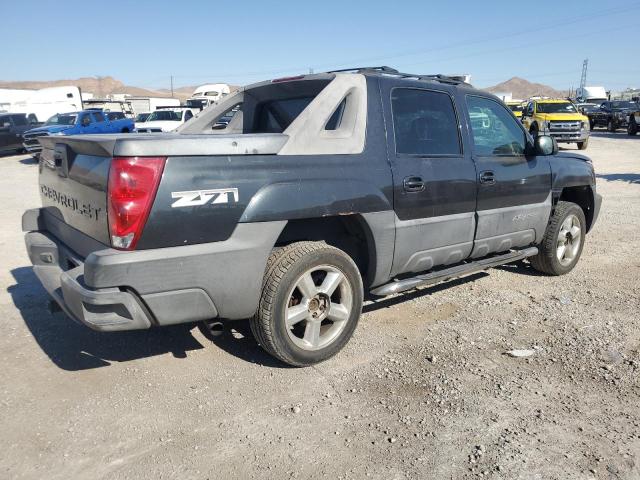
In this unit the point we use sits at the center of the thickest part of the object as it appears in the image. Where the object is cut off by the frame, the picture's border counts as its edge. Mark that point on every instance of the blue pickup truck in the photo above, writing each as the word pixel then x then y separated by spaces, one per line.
pixel 76 123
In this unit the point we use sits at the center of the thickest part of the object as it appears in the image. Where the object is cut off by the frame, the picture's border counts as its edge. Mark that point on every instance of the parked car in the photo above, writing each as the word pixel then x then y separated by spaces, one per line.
pixel 165 120
pixel 612 114
pixel 558 118
pixel 75 123
pixel 633 122
pixel 326 186
pixel 12 127
pixel 587 108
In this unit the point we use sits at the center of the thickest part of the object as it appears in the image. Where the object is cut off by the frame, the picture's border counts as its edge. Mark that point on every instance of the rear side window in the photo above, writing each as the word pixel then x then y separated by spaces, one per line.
pixel 424 122
pixel 495 131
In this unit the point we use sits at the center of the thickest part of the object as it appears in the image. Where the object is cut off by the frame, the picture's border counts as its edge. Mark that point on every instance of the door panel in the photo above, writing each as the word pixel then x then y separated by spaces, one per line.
pixel 514 199
pixel 434 181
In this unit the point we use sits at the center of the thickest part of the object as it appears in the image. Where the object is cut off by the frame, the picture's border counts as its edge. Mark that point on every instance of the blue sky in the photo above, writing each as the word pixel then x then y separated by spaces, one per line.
pixel 143 42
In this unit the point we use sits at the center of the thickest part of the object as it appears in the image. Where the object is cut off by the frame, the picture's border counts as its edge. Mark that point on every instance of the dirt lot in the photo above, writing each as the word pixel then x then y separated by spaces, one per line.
pixel 424 389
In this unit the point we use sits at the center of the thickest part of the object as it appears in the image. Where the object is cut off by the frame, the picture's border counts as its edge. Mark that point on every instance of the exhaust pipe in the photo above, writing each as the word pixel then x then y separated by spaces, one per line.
pixel 214 327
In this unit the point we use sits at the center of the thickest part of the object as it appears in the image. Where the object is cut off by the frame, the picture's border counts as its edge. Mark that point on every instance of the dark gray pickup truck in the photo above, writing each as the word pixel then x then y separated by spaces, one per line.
pixel 318 189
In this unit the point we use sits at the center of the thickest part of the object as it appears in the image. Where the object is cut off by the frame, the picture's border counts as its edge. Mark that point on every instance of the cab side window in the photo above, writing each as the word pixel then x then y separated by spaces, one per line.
pixel 188 115
pixel 424 122
pixel 19 120
pixel 98 117
pixel 86 120
pixel 494 131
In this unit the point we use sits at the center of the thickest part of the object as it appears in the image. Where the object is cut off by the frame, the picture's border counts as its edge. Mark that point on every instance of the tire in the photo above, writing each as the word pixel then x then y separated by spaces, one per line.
pixel 611 127
pixel 592 124
pixel 125 130
pixel 299 275
pixel 632 127
pixel 583 145
pixel 550 259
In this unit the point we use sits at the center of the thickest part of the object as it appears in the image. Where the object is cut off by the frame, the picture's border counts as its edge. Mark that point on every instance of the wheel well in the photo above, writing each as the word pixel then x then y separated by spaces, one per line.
pixel 349 233
pixel 125 130
pixel 583 197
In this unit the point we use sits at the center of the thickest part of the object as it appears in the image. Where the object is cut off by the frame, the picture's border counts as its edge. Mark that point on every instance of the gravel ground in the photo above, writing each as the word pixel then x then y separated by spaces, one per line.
pixel 424 389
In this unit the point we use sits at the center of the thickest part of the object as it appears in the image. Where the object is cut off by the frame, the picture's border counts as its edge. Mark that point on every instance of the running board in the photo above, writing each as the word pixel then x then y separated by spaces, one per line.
pixel 468 268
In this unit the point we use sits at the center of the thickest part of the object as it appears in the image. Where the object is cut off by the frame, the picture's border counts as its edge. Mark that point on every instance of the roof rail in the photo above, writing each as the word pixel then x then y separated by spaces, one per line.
pixel 382 69
pixel 448 79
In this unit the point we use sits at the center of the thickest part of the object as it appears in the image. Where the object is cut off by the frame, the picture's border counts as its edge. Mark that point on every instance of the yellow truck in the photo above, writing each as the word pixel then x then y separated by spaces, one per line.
pixel 516 108
pixel 557 118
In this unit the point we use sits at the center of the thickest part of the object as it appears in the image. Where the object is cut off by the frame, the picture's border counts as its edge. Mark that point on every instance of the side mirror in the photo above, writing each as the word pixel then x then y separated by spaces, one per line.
pixel 545 145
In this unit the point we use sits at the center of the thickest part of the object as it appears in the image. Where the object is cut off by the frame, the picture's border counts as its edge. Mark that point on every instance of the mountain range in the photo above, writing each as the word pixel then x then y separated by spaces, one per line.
pixel 100 86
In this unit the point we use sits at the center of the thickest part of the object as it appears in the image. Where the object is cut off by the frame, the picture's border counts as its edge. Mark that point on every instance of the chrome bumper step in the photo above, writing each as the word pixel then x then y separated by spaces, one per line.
pixel 450 273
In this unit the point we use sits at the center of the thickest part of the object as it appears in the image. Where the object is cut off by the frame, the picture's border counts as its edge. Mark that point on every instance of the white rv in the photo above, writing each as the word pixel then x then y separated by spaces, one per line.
pixel 205 95
pixel 41 104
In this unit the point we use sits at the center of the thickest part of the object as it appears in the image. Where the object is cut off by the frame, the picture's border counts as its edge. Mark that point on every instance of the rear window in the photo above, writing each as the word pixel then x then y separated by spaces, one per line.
pixel 276 115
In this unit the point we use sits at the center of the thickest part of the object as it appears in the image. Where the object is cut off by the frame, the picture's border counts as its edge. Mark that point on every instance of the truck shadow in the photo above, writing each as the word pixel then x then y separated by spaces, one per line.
pixel 619 135
pixel 73 347
pixel 237 339
pixel 620 177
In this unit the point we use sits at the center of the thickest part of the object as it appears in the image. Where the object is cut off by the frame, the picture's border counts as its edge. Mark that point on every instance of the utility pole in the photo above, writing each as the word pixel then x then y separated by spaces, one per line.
pixel 171 86
pixel 583 78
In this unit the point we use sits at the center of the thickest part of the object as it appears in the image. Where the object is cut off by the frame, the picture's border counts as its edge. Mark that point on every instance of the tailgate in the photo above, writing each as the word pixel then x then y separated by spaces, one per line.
pixel 73 183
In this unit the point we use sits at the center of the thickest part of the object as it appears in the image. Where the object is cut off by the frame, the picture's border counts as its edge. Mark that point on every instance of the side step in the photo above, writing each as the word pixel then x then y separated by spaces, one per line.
pixel 468 268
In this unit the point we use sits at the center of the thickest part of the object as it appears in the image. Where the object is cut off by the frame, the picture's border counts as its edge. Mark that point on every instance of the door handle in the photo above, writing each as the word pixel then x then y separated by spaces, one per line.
pixel 487 177
pixel 413 184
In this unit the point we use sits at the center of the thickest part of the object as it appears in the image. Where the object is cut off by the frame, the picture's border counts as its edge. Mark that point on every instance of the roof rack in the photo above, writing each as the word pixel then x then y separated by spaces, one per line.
pixel 448 79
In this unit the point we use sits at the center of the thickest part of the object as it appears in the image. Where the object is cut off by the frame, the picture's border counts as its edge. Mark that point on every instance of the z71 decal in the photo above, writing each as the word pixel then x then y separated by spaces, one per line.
pixel 196 198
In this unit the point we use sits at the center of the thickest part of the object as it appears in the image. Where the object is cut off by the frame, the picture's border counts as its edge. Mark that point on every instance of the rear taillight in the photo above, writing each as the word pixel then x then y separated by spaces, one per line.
pixel 133 182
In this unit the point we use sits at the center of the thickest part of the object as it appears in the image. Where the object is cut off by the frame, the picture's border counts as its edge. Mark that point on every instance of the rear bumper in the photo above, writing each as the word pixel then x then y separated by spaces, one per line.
pixel 112 290
pixel 106 309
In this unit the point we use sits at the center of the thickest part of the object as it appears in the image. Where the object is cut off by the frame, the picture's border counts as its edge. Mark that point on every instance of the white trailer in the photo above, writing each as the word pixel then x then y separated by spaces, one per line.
pixel 151 104
pixel 591 95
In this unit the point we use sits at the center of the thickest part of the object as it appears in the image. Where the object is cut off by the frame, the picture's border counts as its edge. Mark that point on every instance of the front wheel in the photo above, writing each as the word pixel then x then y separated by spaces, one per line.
pixel 632 128
pixel 583 145
pixel 310 305
pixel 563 240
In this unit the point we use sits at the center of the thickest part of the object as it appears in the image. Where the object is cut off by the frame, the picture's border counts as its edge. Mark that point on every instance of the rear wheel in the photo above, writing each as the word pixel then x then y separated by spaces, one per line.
pixel 310 305
pixel 563 240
